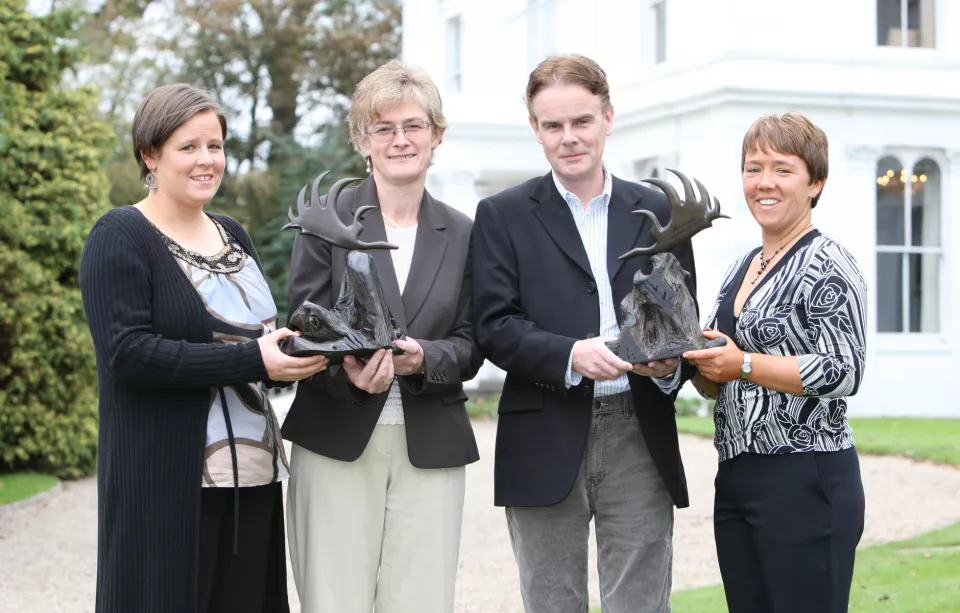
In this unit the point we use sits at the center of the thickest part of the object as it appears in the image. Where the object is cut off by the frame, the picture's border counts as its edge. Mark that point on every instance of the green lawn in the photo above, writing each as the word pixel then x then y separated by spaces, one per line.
pixel 937 440
pixel 17 486
pixel 920 575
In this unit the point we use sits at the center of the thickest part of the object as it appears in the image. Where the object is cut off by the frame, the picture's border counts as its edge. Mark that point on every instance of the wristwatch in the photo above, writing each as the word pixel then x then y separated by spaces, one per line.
pixel 746 367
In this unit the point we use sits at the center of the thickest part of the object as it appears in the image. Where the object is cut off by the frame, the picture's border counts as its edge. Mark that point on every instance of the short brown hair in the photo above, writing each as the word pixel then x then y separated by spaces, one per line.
pixel 390 84
pixel 568 70
pixel 163 111
pixel 793 134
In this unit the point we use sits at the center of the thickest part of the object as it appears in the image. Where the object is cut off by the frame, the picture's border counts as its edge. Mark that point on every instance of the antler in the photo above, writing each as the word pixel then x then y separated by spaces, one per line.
pixel 320 219
pixel 686 218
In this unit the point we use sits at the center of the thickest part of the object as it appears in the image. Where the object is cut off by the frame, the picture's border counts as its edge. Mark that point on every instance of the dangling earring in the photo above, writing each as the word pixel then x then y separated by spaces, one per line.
pixel 433 155
pixel 150 181
pixel 369 165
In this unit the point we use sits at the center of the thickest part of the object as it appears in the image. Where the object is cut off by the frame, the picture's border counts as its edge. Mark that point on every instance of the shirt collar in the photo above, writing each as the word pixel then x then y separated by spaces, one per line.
pixel 605 194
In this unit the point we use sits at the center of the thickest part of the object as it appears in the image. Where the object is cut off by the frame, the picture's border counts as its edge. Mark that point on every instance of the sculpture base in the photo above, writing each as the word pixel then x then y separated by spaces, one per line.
pixel 299 347
pixel 629 351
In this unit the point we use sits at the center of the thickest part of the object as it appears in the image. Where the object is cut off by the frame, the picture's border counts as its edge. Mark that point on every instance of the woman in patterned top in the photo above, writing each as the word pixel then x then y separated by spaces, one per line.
pixel 190 459
pixel 789 505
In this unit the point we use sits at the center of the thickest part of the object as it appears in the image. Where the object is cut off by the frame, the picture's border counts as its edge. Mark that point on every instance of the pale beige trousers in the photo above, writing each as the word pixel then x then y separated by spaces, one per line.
pixel 376 534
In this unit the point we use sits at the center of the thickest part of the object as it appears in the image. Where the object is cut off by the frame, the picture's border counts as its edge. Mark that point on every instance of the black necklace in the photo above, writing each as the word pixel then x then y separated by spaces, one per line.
pixel 765 261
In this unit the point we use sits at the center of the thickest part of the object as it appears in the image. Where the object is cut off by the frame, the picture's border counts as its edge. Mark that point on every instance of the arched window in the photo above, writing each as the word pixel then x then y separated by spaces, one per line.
pixel 909 246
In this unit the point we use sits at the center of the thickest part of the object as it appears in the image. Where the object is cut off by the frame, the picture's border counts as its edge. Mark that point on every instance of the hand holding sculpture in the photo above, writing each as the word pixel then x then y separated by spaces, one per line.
pixel 281 367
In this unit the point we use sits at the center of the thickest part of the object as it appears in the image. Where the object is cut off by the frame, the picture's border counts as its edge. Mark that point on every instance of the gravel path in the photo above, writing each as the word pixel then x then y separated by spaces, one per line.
pixel 48 549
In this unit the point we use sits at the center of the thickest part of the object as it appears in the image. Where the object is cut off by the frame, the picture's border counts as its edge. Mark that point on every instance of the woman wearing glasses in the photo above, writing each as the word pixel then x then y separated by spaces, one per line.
pixel 379 447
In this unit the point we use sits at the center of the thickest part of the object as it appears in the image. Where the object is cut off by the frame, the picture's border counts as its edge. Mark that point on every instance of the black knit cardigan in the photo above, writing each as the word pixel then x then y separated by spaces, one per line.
pixel 156 366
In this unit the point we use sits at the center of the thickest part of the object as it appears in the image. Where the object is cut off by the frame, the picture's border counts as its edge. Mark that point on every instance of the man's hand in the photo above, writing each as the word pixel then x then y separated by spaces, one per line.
pixel 659 369
pixel 374 377
pixel 593 360
pixel 411 361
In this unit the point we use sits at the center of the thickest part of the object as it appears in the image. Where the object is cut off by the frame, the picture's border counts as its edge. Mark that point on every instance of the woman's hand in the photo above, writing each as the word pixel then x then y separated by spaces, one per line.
pixel 411 361
pixel 282 367
pixel 719 364
pixel 374 377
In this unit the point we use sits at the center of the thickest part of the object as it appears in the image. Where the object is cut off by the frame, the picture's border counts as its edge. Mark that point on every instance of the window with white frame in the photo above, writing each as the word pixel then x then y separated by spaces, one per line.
pixel 658 9
pixel 541 30
pixel 905 23
pixel 909 244
pixel 454 56
pixel 649 168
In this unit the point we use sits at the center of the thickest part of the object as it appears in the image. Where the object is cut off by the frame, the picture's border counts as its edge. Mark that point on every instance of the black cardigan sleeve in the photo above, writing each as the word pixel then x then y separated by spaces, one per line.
pixel 116 287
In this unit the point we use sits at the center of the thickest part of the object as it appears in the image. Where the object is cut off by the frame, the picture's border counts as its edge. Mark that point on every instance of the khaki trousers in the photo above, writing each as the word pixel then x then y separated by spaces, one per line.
pixel 376 534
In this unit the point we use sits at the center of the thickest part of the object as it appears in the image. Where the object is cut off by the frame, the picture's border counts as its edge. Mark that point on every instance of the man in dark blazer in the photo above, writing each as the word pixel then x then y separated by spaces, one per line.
pixel 581 433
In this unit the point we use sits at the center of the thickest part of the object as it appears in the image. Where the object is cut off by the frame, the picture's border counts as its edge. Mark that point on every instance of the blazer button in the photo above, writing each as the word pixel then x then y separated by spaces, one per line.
pixel 591 287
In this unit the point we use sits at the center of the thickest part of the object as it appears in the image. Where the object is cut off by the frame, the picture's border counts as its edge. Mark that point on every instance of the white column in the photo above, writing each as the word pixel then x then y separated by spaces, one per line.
pixel 858 191
pixel 949 194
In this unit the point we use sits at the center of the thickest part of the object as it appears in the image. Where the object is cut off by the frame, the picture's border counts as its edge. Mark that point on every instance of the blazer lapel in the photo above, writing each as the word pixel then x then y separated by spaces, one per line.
pixel 374 230
pixel 554 213
pixel 428 252
pixel 623 226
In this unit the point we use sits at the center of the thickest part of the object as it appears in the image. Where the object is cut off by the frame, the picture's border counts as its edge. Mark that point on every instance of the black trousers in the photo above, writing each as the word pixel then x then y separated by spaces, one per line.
pixel 254 580
pixel 787 528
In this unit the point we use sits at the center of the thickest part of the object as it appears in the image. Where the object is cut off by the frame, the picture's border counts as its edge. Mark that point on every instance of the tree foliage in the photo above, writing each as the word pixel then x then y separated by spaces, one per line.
pixel 284 71
pixel 52 189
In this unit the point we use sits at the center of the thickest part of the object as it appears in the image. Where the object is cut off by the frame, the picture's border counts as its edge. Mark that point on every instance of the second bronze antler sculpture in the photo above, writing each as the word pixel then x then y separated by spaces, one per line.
pixel 660 316
pixel 360 322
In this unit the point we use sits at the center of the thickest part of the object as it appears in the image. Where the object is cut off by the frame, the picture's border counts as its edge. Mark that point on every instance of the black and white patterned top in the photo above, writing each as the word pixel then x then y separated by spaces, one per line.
pixel 812 304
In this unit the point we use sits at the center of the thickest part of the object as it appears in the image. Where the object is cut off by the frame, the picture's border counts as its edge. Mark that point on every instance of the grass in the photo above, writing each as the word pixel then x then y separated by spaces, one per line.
pixel 937 440
pixel 19 486
pixel 483 406
pixel 919 575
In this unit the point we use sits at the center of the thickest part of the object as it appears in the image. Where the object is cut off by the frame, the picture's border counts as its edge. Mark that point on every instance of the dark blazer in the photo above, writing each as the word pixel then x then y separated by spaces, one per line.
pixel 156 364
pixel 534 297
pixel 333 418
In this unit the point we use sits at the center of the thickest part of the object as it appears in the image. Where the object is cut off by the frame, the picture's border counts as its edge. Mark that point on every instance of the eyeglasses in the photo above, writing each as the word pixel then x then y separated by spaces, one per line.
pixel 385 133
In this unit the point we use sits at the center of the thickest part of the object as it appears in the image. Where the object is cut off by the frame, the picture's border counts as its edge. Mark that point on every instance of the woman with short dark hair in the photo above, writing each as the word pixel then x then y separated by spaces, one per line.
pixel 190 454
pixel 789 505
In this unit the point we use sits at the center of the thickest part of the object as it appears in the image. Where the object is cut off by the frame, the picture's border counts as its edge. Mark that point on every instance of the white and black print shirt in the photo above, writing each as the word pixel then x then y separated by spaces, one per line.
pixel 812 305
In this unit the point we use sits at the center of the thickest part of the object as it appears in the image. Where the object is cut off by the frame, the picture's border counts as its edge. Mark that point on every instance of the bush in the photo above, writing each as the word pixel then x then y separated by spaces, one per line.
pixel 52 189
pixel 693 406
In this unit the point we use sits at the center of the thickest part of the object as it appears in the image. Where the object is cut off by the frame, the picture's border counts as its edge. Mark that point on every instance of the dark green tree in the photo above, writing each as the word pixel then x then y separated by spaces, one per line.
pixel 52 189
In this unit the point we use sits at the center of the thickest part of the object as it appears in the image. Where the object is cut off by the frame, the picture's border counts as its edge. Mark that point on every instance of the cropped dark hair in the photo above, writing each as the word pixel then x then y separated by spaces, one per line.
pixel 163 111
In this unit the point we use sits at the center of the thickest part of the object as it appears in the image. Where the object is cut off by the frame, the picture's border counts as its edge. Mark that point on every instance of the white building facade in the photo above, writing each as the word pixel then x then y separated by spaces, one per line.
pixel 688 77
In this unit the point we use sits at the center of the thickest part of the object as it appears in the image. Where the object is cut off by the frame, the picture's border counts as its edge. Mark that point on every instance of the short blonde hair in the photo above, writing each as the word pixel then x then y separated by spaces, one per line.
pixel 393 83
pixel 793 134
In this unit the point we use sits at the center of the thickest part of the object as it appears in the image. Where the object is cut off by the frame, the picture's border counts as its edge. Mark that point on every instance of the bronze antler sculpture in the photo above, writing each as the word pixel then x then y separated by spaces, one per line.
pixel 360 322
pixel 660 316
pixel 320 219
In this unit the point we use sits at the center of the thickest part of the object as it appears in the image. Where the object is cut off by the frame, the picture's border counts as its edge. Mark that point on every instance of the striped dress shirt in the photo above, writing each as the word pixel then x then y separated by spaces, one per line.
pixel 592 225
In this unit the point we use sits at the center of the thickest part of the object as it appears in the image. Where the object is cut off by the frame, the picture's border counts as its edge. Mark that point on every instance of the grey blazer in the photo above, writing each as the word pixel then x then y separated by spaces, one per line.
pixel 333 418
